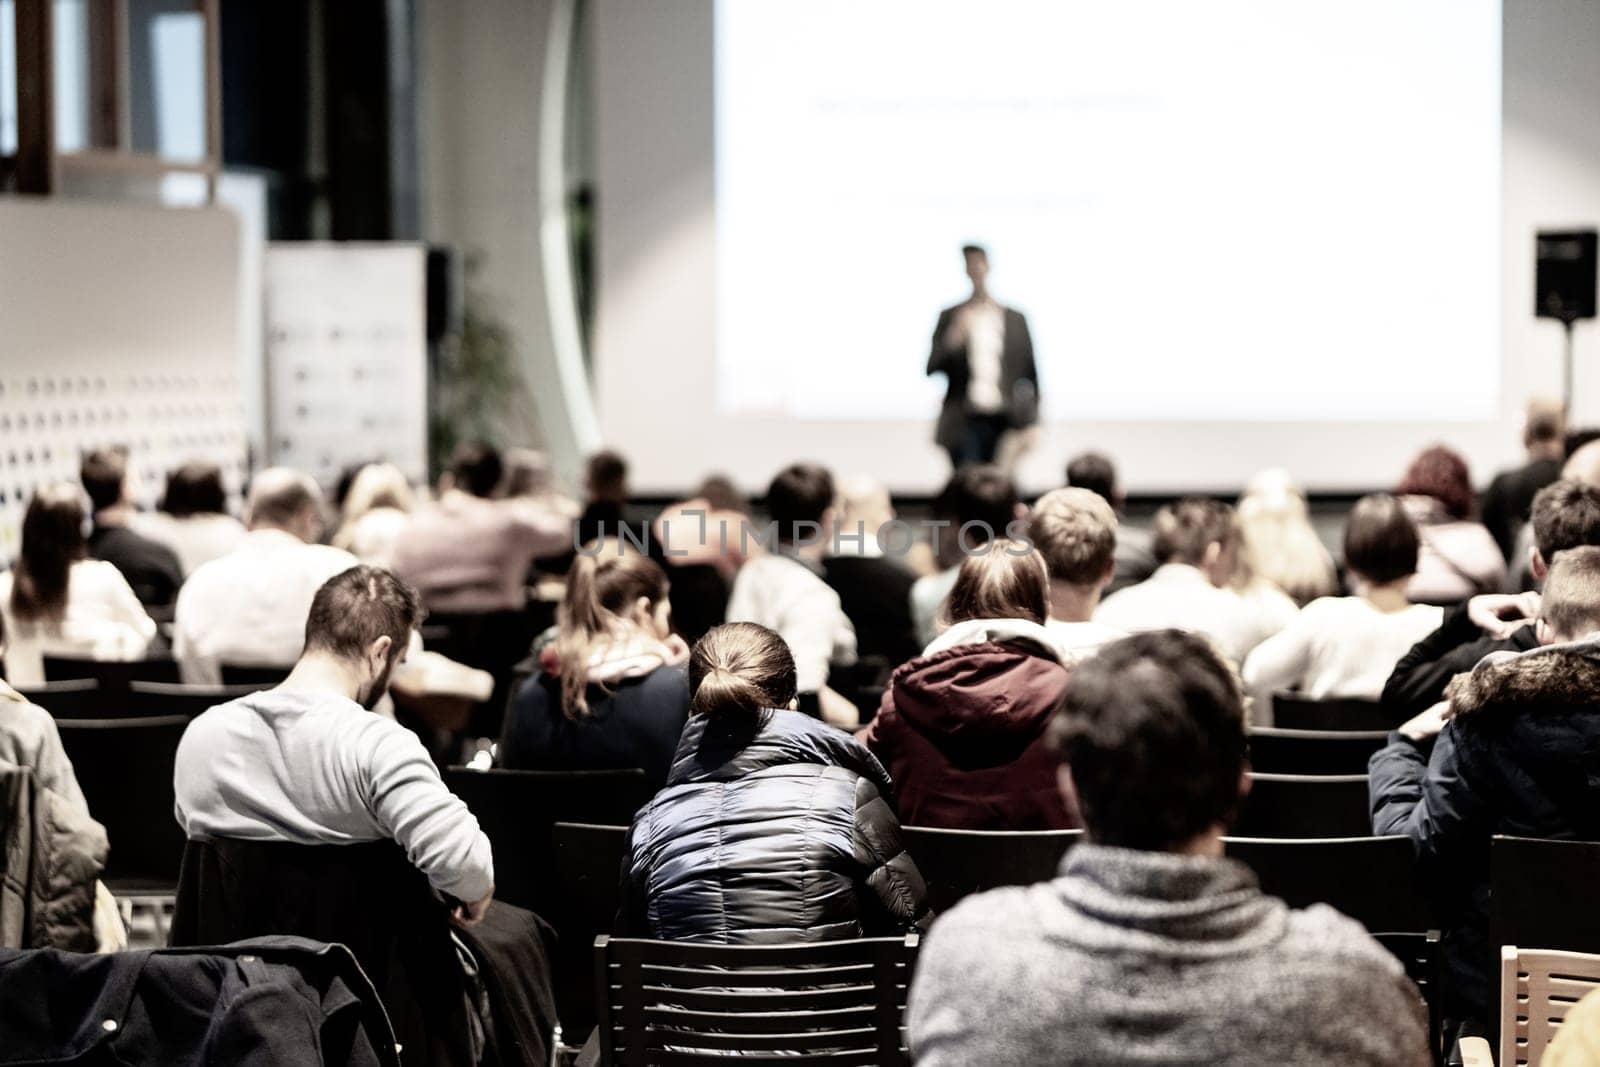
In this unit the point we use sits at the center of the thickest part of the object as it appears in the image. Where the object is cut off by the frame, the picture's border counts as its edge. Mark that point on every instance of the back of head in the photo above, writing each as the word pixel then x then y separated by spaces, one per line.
pixel 1583 465
pixel 1570 607
pixel 356 607
pixel 195 489
pixel 738 669
pixel 1152 729
pixel 719 491
pixel 1277 540
pixel 799 494
pixel 52 541
pixel 527 473
pixel 1546 424
pixel 605 476
pixel 1095 472
pixel 475 468
pixel 601 589
pixel 1566 515
pixel 104 473
pixel 1075 531
pixel 1183 531
pixel 377 485
pixel 1441 473
pixel 281 497
pixel 980 499
pixel 1380 540
pixel 863 501
pixel 1005 579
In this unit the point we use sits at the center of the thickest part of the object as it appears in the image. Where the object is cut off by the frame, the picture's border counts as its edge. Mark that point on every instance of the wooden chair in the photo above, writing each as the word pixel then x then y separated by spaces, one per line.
pixel 957 863
pixel 1542 893
pixel 517 809
pixel 1278 751
pixel 79 698
pixel 840 1002
pixel 153 699
pixel 111 674
pixel 1294 711
pixel 1305 805
pixel 1537 990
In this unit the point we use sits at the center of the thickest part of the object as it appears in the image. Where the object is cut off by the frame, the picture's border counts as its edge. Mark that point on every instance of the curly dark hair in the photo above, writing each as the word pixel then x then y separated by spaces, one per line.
pixel 1441 473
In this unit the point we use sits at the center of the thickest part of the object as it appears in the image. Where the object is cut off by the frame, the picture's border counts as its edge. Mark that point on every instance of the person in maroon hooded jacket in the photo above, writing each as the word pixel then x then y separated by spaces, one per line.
pixel 961 729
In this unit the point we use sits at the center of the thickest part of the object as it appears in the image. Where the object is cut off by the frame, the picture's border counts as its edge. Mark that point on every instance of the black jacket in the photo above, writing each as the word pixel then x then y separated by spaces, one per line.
pixel 772 829
pixel 1521 756
pixel 875 594
pixel 150 567
pixel 273 1000
pixel 636 724
pixel 1019 378
pixel 1510 496
pixel 1418 680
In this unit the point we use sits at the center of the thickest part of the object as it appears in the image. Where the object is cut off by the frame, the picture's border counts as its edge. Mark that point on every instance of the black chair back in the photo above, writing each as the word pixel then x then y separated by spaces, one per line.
pixel 518 808
pixel 1371 879
pixel 958 863
pixel 1541 894
pixel 1292 711
pixel 588 875
pixel 840 1002
pixel 150 699
pixel 1278 751
pixel 1419 954
pixel 111 674
pixel 79 698
pixel 255 675
pixel 125 768
pixel 1305 805
pixel 493 641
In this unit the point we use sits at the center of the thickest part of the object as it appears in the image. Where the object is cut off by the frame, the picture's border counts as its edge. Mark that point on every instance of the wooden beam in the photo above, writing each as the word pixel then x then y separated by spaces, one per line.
pixel 36 126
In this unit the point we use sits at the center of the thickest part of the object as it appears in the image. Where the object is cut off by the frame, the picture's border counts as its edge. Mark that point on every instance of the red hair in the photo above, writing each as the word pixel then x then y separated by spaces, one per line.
pixel 1442 474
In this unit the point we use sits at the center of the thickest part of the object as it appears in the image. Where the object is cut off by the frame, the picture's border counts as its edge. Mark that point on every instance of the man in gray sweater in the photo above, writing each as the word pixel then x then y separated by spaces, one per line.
pixel 1149 946
pixel 310 763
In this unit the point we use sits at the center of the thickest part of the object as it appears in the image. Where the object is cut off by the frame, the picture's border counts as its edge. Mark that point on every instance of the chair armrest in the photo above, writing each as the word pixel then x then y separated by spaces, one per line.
pixel 1475 1052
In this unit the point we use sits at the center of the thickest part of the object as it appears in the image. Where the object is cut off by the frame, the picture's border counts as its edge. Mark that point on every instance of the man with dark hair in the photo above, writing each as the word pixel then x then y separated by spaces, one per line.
pixel 1566 515
pixel 1513 749
pixel 1197 544
pixel 470 552
pixel 151 568
pixel 874 587
pixel 1095 472
pixel 307 762
pixel 978 504
pixel 1507 501
pixel 1149 946
pixel 605 490
pixel 783 589
pixel 193 519
pixel 986 354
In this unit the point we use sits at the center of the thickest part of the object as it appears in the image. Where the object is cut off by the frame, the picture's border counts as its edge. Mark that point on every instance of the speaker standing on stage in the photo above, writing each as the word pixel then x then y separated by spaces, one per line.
pixel 984 350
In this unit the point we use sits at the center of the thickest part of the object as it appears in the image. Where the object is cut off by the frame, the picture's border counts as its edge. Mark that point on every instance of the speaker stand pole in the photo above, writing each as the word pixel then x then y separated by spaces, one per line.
pixel 1566 391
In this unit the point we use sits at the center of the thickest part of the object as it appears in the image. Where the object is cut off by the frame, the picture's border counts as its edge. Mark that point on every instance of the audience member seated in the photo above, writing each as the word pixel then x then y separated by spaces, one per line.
pixel 1197 543
pixel 57 602
pixel 1459 557
pixel 1149 946
pixel 530 483
pixel 1566 514
pixel 1076 532
pixel 962 728
pixel 1277 542
pixel 703 541
pixel 250 606
pixel 1509 498
pixel 605 510
pixel 1514 749
pixel 1347 646
pixel 979 503
pixel 783 590
pixel 1134 559
pixel 469 552
pixel 151 568
pixel 51 898
pixel 375 512
pixel 874 589
pixel 308 763
pixel 193 520
pixel 773 828
pixel 612 690
pixel 1583 466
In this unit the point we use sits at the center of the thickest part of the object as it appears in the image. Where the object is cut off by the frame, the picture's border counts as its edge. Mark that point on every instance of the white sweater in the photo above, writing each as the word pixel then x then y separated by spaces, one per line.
pixel 1337 647
pixel 102 620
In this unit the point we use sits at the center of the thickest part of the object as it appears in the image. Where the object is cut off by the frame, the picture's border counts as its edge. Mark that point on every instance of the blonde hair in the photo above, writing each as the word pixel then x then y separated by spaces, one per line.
pixel 599 589
pixel 377 485
pixel 1075 531
pixel 1277 541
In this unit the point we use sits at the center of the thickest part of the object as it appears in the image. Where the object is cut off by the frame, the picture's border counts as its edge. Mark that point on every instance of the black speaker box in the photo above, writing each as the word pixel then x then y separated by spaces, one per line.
pixel 1564 283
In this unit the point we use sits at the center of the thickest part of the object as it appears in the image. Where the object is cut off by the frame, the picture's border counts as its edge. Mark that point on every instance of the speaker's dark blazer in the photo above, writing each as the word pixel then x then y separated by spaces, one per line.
pixel 1019 380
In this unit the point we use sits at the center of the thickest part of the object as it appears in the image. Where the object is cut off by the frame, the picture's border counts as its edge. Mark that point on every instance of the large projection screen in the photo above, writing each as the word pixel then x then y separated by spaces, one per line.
pixel 1245 233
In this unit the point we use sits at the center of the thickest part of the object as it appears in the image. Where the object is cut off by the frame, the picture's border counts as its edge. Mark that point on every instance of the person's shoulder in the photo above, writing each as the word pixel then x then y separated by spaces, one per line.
pixel 985 923
pixel 333 560
pixel 1320 935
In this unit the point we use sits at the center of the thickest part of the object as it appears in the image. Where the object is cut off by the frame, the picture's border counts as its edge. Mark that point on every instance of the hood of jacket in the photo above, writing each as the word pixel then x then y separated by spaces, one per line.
pixel 725 748
pixel 1548 679
pixel 986 693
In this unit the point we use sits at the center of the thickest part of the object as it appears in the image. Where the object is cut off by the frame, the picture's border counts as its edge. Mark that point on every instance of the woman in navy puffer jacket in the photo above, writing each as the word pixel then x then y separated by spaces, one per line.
pixel 773 827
